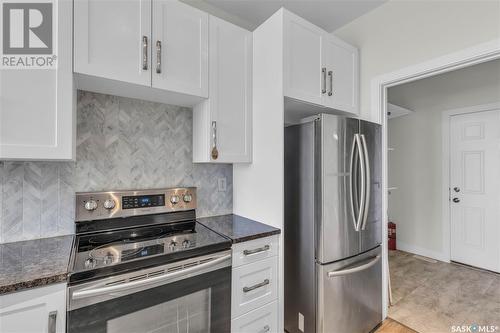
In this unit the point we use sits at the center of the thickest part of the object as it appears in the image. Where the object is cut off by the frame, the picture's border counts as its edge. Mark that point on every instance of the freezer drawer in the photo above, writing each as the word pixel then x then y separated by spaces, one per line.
pixel 350 295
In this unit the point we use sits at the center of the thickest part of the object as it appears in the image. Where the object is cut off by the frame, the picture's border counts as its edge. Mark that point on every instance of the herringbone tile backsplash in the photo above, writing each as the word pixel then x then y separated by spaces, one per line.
pixel 122 143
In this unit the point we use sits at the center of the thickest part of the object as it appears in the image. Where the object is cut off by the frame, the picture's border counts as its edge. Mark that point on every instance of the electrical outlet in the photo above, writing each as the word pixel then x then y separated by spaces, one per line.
pixel 221 184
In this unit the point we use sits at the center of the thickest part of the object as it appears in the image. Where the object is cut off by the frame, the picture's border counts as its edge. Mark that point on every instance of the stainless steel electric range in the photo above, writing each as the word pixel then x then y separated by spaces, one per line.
pixel 141 263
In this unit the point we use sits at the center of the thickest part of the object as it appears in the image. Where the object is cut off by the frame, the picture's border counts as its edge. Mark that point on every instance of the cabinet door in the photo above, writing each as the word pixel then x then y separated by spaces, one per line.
pixel 230 90
pixel 112 39
pixel 342 83
pixel 37 106
pixel 40 310
pixel 180 48
pixel 302 57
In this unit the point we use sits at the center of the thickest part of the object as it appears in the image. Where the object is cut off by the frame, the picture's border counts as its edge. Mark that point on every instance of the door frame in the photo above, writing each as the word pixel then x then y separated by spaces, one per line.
pixel 446 172
pixel 378 93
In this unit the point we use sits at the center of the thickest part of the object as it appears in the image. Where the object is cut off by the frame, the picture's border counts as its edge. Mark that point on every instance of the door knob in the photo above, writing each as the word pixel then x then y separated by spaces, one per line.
pixel 456 189
pixel 456 200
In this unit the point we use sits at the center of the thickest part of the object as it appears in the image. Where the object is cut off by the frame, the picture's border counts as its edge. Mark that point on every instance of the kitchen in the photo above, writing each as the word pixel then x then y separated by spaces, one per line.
pixel 122 164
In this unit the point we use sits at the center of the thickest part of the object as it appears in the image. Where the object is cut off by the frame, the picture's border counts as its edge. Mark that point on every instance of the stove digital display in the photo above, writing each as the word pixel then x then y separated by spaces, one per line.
pixel 146 251
pixel 143 201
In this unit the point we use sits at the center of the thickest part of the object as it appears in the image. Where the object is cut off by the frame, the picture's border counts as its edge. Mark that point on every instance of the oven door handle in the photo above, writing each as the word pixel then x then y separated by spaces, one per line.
pixel 141 283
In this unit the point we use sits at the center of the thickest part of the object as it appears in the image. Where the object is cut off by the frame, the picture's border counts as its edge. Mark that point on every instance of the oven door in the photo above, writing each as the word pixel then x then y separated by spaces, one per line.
pixel 192 295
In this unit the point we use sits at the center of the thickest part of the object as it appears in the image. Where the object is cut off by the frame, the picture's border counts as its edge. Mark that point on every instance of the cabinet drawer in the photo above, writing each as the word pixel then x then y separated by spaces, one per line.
pixel 254 250
pixel 254 285
pixel 261 320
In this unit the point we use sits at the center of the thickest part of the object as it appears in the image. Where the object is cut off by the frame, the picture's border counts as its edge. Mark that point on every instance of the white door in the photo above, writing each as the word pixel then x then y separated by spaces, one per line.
pixel 303 76
pixel 341 62
pixel 113 39
pixel 180 49
pixel 475 189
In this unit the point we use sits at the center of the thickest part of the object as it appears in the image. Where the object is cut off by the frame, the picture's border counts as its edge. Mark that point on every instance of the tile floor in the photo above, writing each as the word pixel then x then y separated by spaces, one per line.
pixel 431 297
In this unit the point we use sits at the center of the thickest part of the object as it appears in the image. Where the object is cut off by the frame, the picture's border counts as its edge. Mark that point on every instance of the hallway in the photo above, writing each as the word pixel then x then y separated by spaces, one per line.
pixel 431 297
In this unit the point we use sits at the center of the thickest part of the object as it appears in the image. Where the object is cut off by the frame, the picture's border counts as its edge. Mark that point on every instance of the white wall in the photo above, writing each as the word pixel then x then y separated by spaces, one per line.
pixel 415 166
pixel 402 33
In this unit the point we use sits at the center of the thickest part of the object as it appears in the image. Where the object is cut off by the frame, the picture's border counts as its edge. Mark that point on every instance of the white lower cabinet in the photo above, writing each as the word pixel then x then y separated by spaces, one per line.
pixel 254 307
pixel 39 310
pixel 261 320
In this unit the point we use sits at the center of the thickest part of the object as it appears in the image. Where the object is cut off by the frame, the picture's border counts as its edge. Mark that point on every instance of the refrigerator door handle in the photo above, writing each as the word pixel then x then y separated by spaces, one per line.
pixel 366 183
pixel 362 165
pixel 356 269
pixel 353 175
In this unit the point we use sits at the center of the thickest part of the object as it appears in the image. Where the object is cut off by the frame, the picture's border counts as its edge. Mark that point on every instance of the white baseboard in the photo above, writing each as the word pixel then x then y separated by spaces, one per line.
pixel 421 251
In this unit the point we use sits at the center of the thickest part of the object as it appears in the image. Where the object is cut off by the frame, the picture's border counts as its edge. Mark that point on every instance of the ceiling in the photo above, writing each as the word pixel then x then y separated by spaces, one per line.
pixel 327 14
pixel 474 85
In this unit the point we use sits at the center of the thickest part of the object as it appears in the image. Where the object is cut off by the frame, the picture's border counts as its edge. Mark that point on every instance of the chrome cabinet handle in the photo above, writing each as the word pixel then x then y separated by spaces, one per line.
pixel 52 322
pixel 330 75
pixel 158 56
pixel 456 189
pixel 354 269
pixel 256 286
pixel 367 182
pixel 144 53
pixel 215 152
pixel 456 200
pixel 260 249
pixel 266 328
pixel 323 72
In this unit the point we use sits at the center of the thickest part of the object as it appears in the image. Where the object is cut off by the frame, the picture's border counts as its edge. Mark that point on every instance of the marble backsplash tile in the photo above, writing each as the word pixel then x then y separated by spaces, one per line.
pixel 122 143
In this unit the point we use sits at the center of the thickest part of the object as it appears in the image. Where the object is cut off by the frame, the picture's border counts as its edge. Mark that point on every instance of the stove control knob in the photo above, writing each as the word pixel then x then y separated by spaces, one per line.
pixel 89 263
pixel 109 204
pixel 108 259
pixel 186 243
pixel 187 197
pixel 174 199
pixel 91 205
pixel 172 245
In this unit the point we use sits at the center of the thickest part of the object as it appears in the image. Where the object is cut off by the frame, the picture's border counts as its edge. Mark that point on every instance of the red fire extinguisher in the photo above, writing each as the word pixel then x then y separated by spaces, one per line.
pixel 392 235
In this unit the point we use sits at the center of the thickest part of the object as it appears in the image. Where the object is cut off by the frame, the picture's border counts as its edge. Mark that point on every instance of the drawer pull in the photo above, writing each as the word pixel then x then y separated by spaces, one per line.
pixel 260 249
pixel 255 286
pixel 266 329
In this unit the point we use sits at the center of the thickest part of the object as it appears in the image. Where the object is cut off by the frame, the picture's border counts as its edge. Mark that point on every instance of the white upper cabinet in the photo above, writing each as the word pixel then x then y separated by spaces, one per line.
pixel 180 50
pixel 128 47
pixel 112 39
pixel 37 106
pixel 303 70
pixel 319 69
pixel 341 62
pixel 223 122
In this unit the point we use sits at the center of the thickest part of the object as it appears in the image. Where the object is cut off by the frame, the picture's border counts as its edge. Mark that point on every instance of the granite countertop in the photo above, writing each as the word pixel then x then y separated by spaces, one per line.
pixel 34 263
pixel 238 228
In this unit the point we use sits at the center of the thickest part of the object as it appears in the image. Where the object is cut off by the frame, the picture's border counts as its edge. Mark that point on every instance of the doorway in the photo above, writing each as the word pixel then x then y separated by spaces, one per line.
pixel 445 122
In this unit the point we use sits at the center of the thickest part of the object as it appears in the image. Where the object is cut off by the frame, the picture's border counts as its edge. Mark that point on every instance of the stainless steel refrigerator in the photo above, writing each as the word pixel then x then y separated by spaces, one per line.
pixel 333 226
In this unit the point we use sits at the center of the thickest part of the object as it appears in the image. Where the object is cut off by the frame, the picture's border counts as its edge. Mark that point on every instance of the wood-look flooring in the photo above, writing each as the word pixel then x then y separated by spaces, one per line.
pixel 392 326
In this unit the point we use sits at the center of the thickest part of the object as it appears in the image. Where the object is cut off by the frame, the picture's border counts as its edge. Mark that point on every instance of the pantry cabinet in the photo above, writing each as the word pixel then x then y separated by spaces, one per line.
pixel 319 68
pixel 159 44
pixel 38 106
pixel 222 125
pixel 35 310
